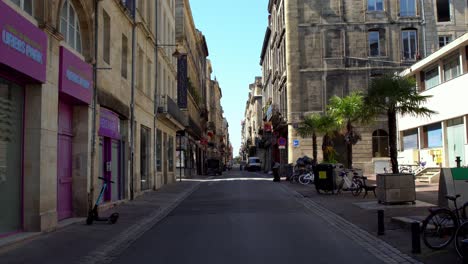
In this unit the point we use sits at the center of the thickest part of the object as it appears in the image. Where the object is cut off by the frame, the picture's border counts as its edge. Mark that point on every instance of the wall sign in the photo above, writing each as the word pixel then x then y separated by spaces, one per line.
pixel 23 46
pixel 75 76
pixel 109 124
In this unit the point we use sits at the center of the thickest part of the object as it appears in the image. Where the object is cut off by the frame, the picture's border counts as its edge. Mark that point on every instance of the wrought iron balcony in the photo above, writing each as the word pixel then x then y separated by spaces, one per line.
pixel 167 106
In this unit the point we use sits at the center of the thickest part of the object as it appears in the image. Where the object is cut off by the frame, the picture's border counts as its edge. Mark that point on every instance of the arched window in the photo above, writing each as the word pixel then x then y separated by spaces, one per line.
pixel 70 26
pixel 380 143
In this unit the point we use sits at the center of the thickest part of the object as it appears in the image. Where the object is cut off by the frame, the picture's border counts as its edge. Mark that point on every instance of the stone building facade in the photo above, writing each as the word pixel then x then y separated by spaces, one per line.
pixel 315 49
pixel 67 114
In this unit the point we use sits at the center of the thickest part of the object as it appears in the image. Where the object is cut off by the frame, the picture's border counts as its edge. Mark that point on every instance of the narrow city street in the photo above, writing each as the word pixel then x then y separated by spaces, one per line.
pixel 243 217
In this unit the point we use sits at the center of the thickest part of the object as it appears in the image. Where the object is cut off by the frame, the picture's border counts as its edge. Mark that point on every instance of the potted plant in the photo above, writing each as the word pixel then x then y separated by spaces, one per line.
pixel 392 95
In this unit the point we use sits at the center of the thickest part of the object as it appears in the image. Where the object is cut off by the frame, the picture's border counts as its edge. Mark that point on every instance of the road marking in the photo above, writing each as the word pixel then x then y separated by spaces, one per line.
pixel 110 251
pixel 377 247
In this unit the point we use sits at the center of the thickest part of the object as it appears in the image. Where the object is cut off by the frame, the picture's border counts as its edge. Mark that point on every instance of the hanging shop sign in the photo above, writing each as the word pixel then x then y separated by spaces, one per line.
pixel 23 46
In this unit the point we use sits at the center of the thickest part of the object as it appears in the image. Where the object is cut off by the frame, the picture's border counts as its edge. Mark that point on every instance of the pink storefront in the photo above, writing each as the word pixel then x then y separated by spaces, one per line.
pixel 23 53
pixel 75 91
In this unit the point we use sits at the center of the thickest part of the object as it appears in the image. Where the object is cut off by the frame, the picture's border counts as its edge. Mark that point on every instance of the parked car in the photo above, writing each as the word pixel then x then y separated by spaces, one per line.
pixel 254 164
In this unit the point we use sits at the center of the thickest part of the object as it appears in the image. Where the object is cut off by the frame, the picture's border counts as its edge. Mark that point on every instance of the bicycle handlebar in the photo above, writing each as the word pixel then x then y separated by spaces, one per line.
pixel 106 180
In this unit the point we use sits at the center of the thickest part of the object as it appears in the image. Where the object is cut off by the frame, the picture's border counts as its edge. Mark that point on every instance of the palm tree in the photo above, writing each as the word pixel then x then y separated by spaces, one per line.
pixel 392 95
pixel 323 124
pixel 349 110
pixel 309 128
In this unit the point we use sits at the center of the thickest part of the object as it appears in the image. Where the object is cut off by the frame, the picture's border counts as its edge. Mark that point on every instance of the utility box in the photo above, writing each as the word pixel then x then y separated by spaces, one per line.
pixel 396 188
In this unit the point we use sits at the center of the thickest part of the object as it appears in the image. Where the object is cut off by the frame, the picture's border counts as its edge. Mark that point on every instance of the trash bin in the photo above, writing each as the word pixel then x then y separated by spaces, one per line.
pixel 324 178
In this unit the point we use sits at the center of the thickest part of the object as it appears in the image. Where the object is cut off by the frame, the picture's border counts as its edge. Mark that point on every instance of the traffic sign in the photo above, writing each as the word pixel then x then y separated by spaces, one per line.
pixel 281 147
pixel 296 143
pixel 282 141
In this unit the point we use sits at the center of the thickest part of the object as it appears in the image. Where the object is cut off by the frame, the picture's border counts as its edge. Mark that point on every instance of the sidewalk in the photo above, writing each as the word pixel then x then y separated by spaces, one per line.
pixel 363 213
pixel 99 243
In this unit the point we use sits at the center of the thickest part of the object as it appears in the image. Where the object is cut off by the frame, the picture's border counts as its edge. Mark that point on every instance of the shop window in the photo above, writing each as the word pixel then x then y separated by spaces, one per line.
pixel 432 136
pixel 410 139
pixel 451 68
pixel 443 10
pixel 431 78
pixel 407 8
pixel 375 5
pixel 26 5
pixel 170 153
pixel 11 145
pixel 70 26
pixel 444 40
pixel 106 37
pixel 409 44
pixel 158 150
pixel 380 143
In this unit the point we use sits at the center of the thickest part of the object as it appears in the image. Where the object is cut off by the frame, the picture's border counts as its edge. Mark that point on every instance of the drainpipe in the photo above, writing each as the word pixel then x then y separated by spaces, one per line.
pixel 94 105
pixel 155 90
pixel 132 104
pixel 423 23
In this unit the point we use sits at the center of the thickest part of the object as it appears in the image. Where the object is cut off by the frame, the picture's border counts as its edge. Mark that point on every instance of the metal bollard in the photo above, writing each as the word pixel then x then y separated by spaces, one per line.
pixel 415 238
pixel 380 223
pixel 458 161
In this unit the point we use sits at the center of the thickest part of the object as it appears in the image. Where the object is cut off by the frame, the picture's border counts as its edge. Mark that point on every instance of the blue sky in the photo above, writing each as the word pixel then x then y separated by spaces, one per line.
pixel 234 32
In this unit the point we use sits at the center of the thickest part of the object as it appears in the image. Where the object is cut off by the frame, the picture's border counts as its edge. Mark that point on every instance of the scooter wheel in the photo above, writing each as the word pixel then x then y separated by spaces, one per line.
pixel 113 218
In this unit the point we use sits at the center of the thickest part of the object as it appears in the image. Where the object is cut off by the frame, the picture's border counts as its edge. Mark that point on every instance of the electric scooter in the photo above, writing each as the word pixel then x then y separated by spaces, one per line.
pixel 93 214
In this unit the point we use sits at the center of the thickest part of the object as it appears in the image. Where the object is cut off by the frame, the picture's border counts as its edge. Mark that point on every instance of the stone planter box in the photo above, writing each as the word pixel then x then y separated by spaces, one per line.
pixel 396 188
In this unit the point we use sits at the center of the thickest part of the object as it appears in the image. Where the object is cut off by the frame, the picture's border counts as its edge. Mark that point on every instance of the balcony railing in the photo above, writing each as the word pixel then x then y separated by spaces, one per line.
pixel 166 105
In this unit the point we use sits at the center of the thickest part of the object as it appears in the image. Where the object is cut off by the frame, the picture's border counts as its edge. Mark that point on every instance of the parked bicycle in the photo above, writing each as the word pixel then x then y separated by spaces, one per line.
pixel 307 176
pixel 440 227
pixel 346 184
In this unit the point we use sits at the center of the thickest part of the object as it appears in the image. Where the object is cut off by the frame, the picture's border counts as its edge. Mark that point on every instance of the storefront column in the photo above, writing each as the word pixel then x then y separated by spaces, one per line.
pixel 82 119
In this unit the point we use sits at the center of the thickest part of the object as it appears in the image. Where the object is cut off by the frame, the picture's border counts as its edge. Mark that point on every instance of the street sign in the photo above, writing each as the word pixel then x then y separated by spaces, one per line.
pixel 281 147
pixel 282 141
pixel 295 143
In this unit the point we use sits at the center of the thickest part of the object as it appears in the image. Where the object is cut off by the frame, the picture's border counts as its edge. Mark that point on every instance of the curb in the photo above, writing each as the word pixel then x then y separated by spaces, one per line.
pixel 107 253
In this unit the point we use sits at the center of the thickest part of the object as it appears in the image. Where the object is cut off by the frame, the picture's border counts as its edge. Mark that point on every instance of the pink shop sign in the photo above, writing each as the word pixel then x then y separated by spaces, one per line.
pixel 23 46
pixel 75 77
pixel 109 124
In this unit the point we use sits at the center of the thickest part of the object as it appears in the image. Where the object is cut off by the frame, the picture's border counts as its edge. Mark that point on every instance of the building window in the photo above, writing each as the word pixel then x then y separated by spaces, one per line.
pixel 375 5
pixel 106 37
pixel 144 156
pixel 407 8
pixel 26 5
pixel 158 150
pixel 410 44
pixel 432 136
pixel 148 77
pixel 124 60
pixel 410 139
pixel 431 78
pixel 374 43
pixel 444 40
pixel 452 68
pixel 139 80
pixel 443 10
pixel 380 143
pixel 70 26
pixel 170 153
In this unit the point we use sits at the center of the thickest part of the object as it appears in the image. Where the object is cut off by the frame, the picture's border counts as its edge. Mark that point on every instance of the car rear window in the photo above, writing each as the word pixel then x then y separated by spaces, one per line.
pixel 254 160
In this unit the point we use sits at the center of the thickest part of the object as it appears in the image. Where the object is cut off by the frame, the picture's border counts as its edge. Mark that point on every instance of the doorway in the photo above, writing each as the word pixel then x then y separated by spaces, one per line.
pixel 64 162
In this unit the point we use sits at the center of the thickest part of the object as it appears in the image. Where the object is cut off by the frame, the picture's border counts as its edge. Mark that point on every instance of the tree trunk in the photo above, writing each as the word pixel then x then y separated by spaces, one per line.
pixel 392 139
pixel 314 147
pixel 349 146
pixel 326 143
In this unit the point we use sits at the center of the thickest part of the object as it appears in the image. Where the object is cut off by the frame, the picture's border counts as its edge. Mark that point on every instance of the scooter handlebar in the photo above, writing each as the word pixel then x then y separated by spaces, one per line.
pixel 106 180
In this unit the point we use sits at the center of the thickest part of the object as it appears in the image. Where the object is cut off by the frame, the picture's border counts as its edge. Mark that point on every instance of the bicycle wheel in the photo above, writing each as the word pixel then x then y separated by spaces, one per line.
pixel 462 234
pixel 439 229
pixel 304 179
pixel 356 187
